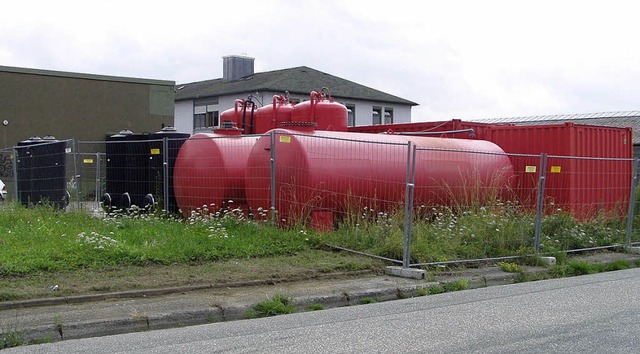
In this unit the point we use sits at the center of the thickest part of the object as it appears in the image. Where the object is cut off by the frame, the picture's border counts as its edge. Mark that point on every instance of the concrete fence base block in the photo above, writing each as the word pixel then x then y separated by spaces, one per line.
pixel 631 249
pixel 548 261
pixel 405 272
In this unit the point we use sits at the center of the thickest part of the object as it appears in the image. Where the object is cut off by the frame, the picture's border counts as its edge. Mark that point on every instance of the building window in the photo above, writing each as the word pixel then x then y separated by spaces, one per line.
pixel 205 117
pixel 376 115
pixel 351 115
pixel 388 115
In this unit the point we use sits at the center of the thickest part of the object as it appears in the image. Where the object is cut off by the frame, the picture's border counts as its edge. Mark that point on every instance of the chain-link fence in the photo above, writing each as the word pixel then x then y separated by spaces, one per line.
pixel 414 201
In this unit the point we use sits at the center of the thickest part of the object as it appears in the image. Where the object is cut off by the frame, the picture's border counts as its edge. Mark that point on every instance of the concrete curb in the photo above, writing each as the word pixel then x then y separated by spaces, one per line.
pixel 362 287
pixel 64 300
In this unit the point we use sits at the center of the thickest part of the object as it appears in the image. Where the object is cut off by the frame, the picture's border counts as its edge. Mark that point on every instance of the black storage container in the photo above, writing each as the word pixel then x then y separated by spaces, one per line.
pixel 41 171
pixel 159 154
pixel 127 172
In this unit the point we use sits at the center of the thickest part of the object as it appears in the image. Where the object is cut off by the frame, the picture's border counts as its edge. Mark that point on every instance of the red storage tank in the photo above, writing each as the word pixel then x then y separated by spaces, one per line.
pixel 272 116
pixel 327 114
pixel 323 171
pixel 241 115
pixel 209 170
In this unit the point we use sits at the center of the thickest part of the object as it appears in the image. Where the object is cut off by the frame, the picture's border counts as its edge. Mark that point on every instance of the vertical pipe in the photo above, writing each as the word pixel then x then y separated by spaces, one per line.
pixel 408 204
pixel 273 176
pixel 540 202
pixel 632 201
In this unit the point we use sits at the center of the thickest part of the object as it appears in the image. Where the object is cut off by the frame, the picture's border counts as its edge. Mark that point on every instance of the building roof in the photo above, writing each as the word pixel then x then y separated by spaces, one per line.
pixel 41 72
pixel 620 119
pixel 298 80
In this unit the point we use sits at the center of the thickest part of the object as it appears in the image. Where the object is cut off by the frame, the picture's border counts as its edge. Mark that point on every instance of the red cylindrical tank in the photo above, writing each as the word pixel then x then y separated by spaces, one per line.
pixel 209 171
pixel 327 114
pixel 272 116
pixel 333 171
pixel 241 115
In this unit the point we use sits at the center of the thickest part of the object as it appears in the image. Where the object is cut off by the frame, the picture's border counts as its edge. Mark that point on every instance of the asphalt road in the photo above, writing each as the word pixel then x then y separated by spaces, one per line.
pixel 588 314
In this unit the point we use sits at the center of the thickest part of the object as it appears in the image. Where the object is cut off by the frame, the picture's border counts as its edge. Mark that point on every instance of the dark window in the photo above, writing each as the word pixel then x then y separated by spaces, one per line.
pixel 205 117
pixel 388 115
pixel 199 121
pixel 376 115
pixel 351 115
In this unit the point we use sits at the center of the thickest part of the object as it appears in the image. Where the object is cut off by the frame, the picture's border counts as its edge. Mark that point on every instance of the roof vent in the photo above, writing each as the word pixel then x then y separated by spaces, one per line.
pixel 236 67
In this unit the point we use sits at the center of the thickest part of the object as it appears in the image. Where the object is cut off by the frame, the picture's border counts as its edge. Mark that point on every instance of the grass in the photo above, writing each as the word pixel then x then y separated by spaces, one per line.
pixel 81 253
pixel 509 267
pixel 442 234
pixel 46 240
pixel 278 305
pixel 579 267
pixel 41 247
pixel 11 339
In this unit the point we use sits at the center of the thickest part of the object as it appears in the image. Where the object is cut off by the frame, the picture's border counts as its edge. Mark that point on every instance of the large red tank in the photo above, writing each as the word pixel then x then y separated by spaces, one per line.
pixel 331 171
pixel 327 114
pixel 241 115
pixel 209 171
pixel 272 116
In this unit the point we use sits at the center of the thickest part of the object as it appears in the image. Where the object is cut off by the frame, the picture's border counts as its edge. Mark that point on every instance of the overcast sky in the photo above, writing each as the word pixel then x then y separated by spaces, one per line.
pixel 457 59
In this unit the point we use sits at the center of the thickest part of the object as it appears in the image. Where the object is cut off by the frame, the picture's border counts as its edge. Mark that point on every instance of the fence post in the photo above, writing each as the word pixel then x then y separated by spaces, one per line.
pixel 75 145
pixel 98 191
pixel 540 202
pixel 15 174
pixel 408 205
pixel 273 176
pixel 165 174
pixel 632 201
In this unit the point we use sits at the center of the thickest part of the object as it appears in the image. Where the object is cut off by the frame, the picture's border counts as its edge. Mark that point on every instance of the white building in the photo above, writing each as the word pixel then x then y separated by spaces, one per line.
pixel 198 104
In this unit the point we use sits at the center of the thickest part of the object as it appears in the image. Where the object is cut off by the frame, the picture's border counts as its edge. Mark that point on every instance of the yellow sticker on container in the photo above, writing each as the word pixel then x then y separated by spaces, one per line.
pixel 530 169
pixel 155 151
pixel 555 169
pixel 285 139
pixel 87 160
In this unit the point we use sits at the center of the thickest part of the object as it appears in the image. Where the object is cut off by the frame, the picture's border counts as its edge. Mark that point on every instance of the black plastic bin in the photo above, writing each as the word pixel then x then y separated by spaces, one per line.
pixel 157 158
pixel 127 172
pixel 41 172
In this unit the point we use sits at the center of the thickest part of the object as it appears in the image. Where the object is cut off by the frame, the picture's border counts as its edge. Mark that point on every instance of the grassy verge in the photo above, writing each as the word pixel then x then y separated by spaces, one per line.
pixel 441 234
pixel 81 254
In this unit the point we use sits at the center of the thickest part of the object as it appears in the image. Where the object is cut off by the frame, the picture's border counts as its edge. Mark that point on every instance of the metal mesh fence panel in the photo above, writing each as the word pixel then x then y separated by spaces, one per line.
pixel 322 181
pixel 7 172
pixel 90 182
pixel 467 205
pixel 464 205
pixel 209 174
pixel 41 172
pixel 586 203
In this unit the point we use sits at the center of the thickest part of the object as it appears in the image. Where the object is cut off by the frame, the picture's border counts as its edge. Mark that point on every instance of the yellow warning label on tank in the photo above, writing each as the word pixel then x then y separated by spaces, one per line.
pixel 555 169
pixel 530 169
pixel 155 151
pixel 285 139
pixel 87 160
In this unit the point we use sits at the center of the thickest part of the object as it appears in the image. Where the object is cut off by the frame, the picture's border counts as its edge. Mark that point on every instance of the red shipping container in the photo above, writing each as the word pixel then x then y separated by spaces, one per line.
pixel 589 169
